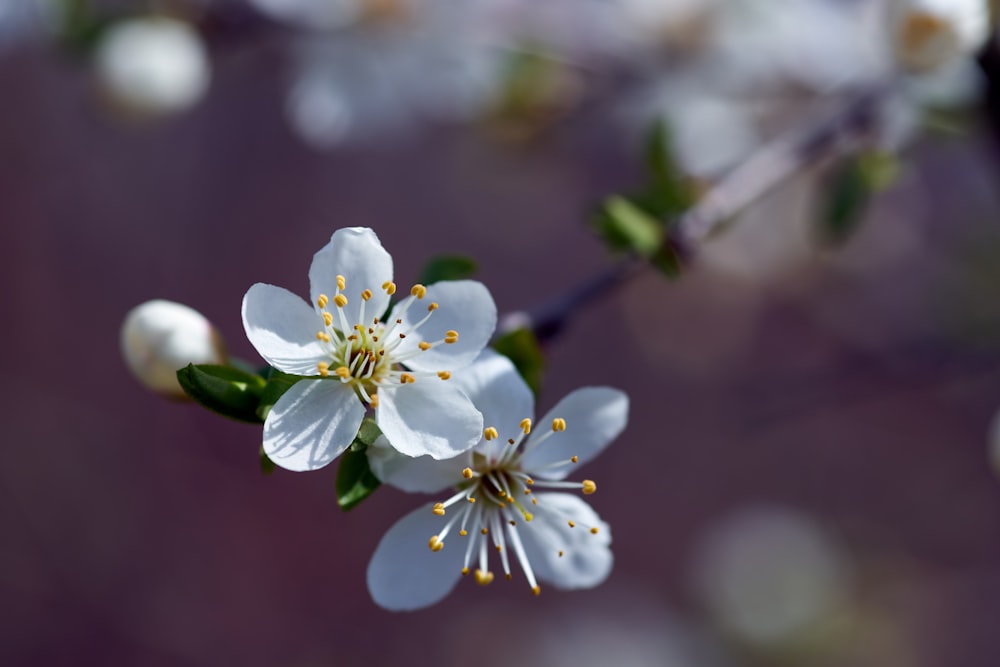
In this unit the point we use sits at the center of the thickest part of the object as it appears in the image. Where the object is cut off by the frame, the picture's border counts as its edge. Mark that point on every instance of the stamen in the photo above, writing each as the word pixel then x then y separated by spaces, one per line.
pixel 558 424
pixel 373 400
pixel 467 473
pixel 418 291
pixel 432 306
pixel 389 287
pixel 594 530
pixel 571 523
pixel 439 509
pixel 367 294
pixel 526 425
pixel 341 283
pixel 323 368
pixel 484 578
pixel 406 378
pixel 435 543
pixel 340 300
pixel 537 590
pixel 444 375
pixel 323 336
pixel 322 301
pixel 424 345
pixel 451 336
pixel 588 486
pixel 490 433
pixel 343 371
pixel 327 318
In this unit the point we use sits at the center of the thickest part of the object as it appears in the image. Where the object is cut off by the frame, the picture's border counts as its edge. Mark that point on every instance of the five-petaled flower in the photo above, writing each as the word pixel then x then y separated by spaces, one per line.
pixel 358 358
pixel 556 537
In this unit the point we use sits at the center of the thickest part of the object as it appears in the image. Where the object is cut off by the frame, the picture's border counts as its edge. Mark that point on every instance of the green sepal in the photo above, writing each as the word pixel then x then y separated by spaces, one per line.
pixel 277 384
pixel 225 390
pixel 267 466
pixel 522 348
pixel 448 267
pixel 355 480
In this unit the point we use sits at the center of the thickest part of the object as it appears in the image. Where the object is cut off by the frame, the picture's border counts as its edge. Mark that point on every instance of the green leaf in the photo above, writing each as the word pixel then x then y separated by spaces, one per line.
pixel 355 480
pixel 448 267
pixel 267 466
pixel 277 384
pixel 225 390
pixel 641 232
pixel 522 348
pixel 847 199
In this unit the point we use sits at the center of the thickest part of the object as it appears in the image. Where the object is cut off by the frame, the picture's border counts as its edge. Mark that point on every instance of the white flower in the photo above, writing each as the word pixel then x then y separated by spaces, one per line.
pixel 556 537
pixel 160 337
pixel 152 65
pixel 355 360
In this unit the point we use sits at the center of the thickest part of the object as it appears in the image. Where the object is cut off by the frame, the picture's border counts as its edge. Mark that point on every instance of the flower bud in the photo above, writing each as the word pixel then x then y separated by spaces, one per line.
pixel 152 66
pixel 160 337
pixel 929 34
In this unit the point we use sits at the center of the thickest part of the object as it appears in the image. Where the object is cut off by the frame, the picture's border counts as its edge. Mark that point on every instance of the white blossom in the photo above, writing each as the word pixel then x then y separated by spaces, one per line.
pixel 355 358
pixel 500 503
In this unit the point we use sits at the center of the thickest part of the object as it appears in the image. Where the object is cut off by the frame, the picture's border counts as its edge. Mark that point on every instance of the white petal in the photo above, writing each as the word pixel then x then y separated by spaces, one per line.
pixel 594 417
pixel 356 254
pixel 404 574
pixel 311 424
pixel 282 327
pixel 587 557
pixel 497 390
pixel 465 306
pixel 430 417
pixel 420 474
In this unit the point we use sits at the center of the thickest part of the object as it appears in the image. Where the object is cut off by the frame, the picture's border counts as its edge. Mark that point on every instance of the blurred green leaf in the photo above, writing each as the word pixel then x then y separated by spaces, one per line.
pixel 224 390
pixel 880 169
pixel 267 466
pixel 847 197
pixel 355 480
pixel 522 348
pixel 448 267
pixel 634 227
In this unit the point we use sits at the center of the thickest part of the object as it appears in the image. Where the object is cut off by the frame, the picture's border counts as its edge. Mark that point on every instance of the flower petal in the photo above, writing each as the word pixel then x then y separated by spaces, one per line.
pixel 587 557
pixel 420 474
pixel 465 306
pixel 594 417
pixel 311 424
pixel 358 255
pixel 404 574
pixel 282 328
pixel 430 417
pixel 497 390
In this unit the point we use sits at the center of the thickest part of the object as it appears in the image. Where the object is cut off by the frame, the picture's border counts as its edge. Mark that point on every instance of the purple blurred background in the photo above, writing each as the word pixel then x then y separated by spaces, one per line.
pixel 848 401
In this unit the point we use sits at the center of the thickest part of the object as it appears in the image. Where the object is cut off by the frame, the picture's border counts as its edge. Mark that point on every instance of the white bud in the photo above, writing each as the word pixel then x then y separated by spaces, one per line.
pixel 160 337
pixel 929 34
pixel 152 66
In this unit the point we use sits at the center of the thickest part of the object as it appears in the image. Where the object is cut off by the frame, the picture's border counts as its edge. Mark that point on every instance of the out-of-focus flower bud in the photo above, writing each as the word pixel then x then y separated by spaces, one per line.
pixel 152 66
pixel 160 337
pixel 932 33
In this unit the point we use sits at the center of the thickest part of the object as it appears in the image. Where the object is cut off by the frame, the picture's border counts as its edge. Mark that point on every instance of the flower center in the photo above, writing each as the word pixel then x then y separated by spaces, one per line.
pixel 497 494
pixel 366 354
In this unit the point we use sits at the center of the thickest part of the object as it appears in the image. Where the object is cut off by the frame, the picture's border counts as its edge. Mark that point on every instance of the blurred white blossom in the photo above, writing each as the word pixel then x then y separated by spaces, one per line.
pixel 160 337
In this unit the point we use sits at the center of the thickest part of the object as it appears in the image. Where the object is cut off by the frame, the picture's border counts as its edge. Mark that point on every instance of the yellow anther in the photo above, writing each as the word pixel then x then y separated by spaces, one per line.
pixel 432 306
pixel 558 424
pixel 323 368
pixel 484 578
pixel 485 531
pixel 467 473
pixel 509 576
pixel 490 433
pixel 418 291
pixel 594 531
pixel 529 481
pixel 526 425
pixel 327 318
pixel 451 336
pixel 463 532
pixel 444 375
pixel 527 492
pixel 571 524
pixel 589 486
pixel 502 494
pixel 499 548
pixel 534 501
pixel 472 499
pixel 406 378
pixel 343 371
pixel 424 345
pixel 574 459
pixel 435 543
pixel 537 590
pixel 439 509
pixel 374 401
pixel 560 553
pixel 528 516
pixel 323 336
pixel 322 301
pixel 341 283
pixel 367 294
pixel 465 571
pixel 340 300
